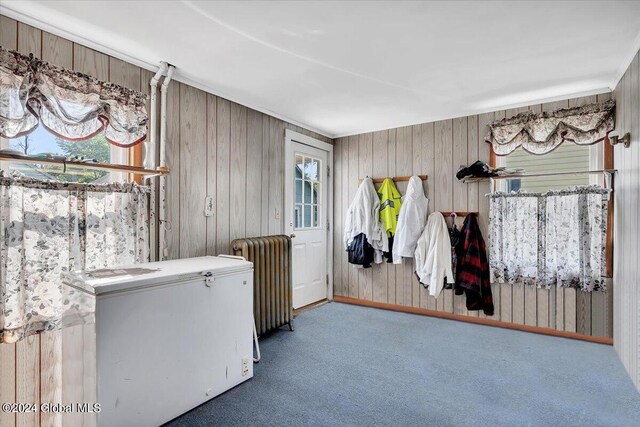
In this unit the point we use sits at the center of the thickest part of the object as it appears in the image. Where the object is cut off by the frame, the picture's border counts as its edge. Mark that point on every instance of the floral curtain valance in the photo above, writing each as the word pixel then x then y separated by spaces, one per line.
pixel 49 229
pixel 71 105
pixel 540 133
pixel 549 239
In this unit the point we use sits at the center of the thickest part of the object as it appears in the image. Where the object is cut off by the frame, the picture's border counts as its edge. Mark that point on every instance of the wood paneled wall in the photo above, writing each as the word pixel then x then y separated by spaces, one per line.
pixel 438 149
pixel 228 152
pixel 626 273
pixel 215 148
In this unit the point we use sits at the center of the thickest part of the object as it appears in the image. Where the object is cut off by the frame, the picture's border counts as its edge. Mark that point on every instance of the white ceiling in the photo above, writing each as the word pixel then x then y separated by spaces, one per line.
pixel 350 67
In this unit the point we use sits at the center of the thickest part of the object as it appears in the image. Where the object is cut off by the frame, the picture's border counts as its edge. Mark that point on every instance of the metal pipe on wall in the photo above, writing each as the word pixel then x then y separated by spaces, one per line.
pixel 163 113
pixel 163 250
pixel 150 144
pixel 150 153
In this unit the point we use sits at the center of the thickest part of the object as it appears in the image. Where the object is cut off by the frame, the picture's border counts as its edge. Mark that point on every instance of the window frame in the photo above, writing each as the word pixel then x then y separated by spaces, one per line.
pixel 136 159
pixel 608 163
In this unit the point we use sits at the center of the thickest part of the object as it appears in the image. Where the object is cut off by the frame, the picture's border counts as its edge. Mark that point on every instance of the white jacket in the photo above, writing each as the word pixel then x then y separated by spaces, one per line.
pixel 363 216
pixel 411 220
pixel 433 255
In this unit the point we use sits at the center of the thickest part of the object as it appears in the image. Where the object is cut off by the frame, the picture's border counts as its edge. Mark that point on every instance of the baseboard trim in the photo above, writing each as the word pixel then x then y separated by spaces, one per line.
pixel 477 320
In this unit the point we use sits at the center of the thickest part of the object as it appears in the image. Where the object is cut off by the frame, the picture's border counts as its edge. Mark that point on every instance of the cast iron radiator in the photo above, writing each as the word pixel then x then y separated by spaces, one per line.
pixel 272 282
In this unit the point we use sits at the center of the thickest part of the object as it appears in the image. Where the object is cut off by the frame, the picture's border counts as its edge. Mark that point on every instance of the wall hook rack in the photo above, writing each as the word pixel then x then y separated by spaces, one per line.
pixel 458 213
pixel 394 179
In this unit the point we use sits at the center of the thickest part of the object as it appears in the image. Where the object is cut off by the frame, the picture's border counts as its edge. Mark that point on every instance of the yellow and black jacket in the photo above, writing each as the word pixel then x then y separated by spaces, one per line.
pixel 390 204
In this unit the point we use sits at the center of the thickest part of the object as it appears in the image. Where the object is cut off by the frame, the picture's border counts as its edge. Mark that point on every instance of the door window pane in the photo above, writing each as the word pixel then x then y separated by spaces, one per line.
pixel 297 216
pixel 307 215
pixel 307 192
pixel 298 191
pixel 316 168
pixel 311 169
pixel 299 166
pixel 316 208
pixel 315 193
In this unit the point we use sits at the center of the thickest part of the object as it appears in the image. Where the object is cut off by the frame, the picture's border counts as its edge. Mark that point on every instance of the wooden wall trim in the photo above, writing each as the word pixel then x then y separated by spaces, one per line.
pixel 476 320
pixel 608 163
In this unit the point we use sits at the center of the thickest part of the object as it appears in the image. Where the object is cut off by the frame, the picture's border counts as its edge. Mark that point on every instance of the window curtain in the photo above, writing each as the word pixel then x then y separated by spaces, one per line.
pixel 69 104
pixel 549 239
pixel 543 132
pixel 49 229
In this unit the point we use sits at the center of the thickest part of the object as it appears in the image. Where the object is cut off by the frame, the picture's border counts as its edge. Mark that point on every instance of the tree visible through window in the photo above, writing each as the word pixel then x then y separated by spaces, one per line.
pixel 43 143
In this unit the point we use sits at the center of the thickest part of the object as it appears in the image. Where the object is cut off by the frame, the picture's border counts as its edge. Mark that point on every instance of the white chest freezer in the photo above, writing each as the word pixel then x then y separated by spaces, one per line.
pixel 169 336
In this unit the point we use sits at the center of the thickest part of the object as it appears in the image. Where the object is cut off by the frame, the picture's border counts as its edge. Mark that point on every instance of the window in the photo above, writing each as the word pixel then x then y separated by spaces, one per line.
pixel 42 142
pixel 307 191
pixel 566 158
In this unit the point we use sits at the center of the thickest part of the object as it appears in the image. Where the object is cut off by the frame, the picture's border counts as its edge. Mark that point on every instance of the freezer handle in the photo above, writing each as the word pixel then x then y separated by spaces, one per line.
pixel 208 278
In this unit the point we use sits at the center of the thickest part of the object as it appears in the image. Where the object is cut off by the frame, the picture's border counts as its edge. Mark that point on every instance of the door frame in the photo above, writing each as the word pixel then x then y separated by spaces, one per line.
pixel 291 137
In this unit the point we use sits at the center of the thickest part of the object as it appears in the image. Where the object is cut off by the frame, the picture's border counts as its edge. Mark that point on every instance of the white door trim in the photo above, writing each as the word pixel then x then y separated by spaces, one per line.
pixel 291 136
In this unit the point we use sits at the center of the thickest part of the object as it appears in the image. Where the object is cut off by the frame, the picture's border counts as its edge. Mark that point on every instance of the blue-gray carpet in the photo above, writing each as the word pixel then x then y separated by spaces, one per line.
pixel 347 365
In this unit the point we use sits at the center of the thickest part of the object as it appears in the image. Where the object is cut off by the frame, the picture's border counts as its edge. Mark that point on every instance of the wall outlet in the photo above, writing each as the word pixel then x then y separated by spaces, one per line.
pixel 277 213
pixel 245 365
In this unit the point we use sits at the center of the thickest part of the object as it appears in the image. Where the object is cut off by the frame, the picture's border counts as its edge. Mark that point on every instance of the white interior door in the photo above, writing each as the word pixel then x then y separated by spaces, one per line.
pixel 307 219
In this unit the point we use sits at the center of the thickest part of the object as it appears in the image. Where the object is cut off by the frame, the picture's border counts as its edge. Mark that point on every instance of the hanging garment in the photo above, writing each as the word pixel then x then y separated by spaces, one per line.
pixel 411 221
pixel 433 255
pixel 473 269
pixel 363 217
pixel 390 204
pixel 455 237
pixel 360 251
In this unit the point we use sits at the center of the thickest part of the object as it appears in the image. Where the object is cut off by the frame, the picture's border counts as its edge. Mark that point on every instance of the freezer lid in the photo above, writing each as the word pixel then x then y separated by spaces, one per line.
pixel 155 273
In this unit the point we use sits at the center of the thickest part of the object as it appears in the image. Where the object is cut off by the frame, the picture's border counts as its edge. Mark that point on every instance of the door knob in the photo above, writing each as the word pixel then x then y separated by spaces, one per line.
pixel 292 235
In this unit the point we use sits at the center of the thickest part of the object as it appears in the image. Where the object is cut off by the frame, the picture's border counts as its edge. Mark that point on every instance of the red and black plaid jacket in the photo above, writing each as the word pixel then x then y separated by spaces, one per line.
pixel 472 273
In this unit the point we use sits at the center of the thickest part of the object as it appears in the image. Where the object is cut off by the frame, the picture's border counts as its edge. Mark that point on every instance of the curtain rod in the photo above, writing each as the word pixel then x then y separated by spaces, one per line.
pixel 525 175
pixel 96 166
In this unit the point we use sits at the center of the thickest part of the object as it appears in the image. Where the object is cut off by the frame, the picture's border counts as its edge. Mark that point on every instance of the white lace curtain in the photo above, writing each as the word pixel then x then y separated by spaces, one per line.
pixel 69 104
pixel 48 229
pixel 549 239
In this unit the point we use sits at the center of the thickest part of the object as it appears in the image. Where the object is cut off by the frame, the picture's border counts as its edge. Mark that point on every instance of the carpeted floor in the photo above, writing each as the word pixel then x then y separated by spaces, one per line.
pixel 346 365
